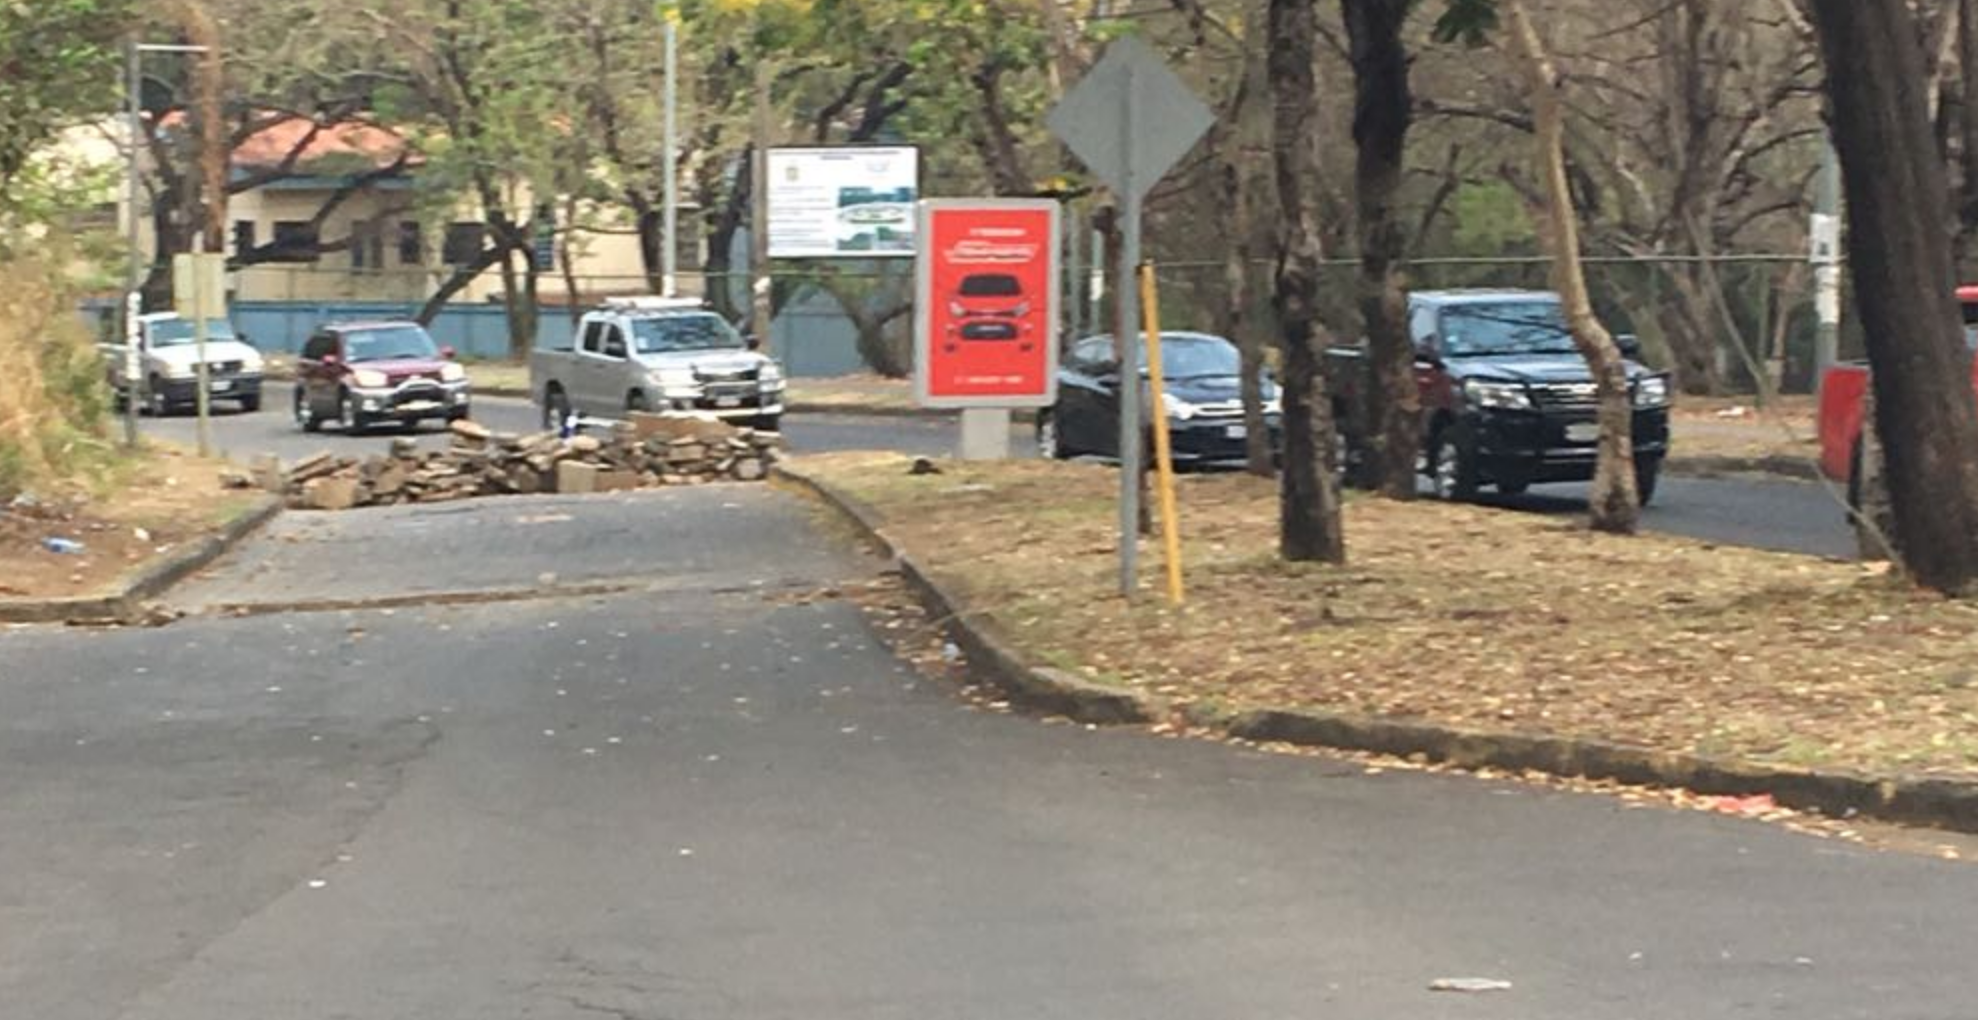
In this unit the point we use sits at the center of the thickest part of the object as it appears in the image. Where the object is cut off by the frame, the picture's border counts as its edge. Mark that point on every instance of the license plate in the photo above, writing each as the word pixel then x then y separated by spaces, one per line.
pixel 222 385
pixel 1583 432
pixel 728 402
pixel 420 405
pixel 1236 431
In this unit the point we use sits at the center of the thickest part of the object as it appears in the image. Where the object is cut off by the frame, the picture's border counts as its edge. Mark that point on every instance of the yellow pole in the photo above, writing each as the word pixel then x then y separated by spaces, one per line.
pixel 1150 311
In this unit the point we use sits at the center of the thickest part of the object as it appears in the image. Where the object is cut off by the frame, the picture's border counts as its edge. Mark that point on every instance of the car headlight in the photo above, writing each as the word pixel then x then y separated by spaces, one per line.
pixel 370 378
pixel 1022 309
pixel 451 372
pixel 955 309
pixel 1652 392
pixel 1178 408
pixel 1274 405
pixel 1504 396
pixel 770 376
pixel 252 364
pixel 185 371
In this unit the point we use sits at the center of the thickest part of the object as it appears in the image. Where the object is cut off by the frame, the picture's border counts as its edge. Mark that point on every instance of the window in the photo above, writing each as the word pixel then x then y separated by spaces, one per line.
pixel 1094 354
pixel 367 246
pixel 614 342
pixel 594 337
pixel 389 343
pixel 244 240
pixel 665 333
pixel 411 243
pixel 1421 325
pixel 464 242
pixel 295 241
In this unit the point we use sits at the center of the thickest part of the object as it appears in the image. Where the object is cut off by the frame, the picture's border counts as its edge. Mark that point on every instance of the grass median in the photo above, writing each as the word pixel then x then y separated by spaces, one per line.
pixel 1457 615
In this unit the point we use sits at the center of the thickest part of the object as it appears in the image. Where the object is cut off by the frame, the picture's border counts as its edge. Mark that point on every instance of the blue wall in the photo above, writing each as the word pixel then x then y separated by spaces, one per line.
pixel 811 337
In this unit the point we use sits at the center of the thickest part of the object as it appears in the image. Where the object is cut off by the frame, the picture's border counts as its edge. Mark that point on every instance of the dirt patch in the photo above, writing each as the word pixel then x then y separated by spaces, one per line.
pixel 851 393
pixel 149 507
pixel 1458 615
pixel 1736 427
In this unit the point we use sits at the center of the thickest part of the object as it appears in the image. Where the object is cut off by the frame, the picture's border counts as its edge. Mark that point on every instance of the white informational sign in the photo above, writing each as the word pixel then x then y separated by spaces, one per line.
pixel 852 201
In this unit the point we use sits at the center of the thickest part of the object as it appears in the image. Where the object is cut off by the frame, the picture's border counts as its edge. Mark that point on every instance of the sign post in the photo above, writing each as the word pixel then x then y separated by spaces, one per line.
pixel 1129 120
pixel 986 313
pixel 199 293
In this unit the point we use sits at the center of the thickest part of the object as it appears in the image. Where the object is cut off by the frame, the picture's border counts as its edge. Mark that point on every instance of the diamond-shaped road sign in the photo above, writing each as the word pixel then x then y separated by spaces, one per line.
pixel 1129 119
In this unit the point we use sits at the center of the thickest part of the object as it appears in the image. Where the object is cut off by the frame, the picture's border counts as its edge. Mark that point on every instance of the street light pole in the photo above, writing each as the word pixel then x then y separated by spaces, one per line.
pixel 670 207
pixel 133 300
pixel 134 381
pixel 1826 255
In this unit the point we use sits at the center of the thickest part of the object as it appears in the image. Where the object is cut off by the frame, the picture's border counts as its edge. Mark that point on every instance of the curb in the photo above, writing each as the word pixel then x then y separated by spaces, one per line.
pixel 1040 689
pixel 1712 466
pixel 145 582
pixel 1937 803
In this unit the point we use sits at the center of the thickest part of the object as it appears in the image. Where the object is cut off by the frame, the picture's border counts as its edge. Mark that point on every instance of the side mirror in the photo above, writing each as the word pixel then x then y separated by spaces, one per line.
pixel 1427 354
pixel 448 352
pixel 752 342
pixel 1630 345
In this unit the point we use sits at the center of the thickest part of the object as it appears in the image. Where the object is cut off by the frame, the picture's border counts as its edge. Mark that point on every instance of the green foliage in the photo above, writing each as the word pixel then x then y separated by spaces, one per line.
pixel 58 68
pixel 1467 21
pixel 53 397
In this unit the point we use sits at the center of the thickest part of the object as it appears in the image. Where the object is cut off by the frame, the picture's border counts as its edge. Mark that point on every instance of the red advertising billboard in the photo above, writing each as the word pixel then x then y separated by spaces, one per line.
pixel 986 307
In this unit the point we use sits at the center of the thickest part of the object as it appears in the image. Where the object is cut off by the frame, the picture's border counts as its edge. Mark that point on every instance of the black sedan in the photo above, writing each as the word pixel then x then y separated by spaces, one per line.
pixel 1203 398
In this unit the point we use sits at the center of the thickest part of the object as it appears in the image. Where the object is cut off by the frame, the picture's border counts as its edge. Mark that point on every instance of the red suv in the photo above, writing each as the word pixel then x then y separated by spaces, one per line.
pixel 361 373
pixel 989 306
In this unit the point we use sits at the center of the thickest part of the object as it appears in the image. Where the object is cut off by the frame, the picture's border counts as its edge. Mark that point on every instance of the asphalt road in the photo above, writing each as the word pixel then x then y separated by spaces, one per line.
pixel 716 797
pixel 1789 516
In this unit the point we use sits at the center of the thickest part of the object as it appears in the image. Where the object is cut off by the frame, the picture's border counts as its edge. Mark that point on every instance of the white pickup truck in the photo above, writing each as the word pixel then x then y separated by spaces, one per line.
pixel 656 354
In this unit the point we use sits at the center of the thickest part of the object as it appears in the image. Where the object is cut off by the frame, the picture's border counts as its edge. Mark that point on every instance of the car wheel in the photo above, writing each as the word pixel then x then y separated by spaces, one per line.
pixel 556 409
pixel 638 403
pixel 155 399
pixel 1453 465
pixel 1516 486
pixel 1050 444
pixel 305 415
pixel 1647 473
pixel 250 404
pixel 348 416
pixel 768 423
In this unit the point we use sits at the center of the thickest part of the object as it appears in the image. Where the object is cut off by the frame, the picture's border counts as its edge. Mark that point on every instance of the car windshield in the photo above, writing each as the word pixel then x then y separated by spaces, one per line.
pixel 664 333
pixel 1511 327
pixel 1192 356
pixel 992 285
pixel 179 332
pixel 391 343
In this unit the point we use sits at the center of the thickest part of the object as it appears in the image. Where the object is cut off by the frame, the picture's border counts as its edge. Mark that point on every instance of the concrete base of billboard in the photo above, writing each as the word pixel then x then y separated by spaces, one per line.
pixel 985 433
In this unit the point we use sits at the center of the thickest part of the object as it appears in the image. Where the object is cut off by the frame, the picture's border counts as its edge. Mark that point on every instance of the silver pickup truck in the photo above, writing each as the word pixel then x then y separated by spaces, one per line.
pixel 168 365
pixel 656 354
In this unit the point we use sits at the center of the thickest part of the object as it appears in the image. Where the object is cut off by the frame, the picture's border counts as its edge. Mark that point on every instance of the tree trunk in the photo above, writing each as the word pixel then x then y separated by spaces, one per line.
pixel 1308 509
pixel 722 228
pixel 1615 501
pixel 1967 116
pixel 1258 456
pixel 461 277
pixel 1898 200
pixel 1381 113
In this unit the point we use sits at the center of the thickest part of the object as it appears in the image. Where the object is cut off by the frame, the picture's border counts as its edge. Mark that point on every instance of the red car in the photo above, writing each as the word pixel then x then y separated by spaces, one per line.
pixel 359 374
pixel 989 306
pixel 1841 393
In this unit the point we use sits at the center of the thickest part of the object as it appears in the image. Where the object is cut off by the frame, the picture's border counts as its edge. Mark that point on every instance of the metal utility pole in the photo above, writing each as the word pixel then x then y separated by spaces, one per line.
pixel 1826 258
pixel 670 207
pixel 764 311
pixel 136 264
pixel 134 272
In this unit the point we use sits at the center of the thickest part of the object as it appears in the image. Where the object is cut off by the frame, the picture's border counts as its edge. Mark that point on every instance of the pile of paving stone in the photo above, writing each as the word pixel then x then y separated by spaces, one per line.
pixel 648 450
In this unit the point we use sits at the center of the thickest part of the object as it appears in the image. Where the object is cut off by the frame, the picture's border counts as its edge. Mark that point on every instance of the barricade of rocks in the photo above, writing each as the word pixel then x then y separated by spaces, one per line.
pixel 646 451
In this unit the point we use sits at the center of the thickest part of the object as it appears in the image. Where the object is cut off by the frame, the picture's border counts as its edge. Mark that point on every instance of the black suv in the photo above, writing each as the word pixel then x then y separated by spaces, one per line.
pixel 1507 400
